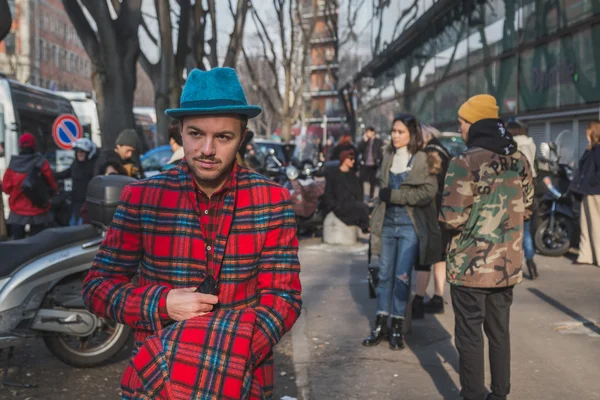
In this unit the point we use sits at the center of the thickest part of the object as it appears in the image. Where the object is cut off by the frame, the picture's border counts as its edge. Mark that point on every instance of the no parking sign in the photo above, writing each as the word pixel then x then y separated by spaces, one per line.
pixel 66 131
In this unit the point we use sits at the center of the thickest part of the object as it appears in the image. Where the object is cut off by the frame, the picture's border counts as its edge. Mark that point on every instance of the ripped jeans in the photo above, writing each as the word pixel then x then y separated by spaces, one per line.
pixel 399 252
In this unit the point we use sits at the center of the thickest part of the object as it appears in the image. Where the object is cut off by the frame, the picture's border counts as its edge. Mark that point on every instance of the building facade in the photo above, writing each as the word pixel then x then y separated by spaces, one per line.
pixel 538 58
pixel 321 100
pixel 43 48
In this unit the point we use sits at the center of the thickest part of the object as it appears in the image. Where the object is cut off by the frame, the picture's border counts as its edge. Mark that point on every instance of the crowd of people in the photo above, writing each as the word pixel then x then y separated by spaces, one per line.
pixel 468 218
pixel 30 182
pixel 213 244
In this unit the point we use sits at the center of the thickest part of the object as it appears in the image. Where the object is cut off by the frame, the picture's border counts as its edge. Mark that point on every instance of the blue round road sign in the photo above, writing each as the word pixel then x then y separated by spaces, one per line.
pixel 66 131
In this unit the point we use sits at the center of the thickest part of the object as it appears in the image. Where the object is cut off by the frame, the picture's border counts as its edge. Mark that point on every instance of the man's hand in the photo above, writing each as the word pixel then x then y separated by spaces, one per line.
pixel 183 304
pixel 365 137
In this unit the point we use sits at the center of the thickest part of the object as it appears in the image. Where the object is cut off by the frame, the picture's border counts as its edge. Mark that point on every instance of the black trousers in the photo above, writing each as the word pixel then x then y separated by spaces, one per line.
pixel 474 307
pixel 369 174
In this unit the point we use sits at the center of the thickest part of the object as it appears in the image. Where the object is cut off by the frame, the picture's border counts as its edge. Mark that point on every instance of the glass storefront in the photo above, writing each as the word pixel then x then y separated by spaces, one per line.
pixel 532 55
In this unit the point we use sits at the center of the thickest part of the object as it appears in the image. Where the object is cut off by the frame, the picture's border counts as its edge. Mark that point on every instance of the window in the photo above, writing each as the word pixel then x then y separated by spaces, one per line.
pixel 41 50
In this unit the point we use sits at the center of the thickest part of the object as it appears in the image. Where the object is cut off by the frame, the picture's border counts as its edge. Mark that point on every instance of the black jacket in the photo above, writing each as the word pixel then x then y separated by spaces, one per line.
pixel 363 149
pixel 587 178
pixel 81 173
pixel 105 157
pixel 342 190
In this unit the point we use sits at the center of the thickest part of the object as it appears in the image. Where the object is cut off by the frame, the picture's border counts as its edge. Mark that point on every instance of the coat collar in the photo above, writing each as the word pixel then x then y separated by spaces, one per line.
pixel 227 212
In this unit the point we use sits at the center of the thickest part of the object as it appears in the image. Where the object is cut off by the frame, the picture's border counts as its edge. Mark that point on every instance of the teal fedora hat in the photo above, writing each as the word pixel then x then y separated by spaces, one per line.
pixel 217 91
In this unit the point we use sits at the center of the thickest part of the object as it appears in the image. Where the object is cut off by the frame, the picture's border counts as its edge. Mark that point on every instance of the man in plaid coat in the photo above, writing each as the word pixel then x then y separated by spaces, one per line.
pixel 206 217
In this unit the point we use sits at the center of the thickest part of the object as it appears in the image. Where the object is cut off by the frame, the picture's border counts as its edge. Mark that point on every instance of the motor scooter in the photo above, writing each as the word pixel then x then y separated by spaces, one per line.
pixel 556 227
pixel 41 279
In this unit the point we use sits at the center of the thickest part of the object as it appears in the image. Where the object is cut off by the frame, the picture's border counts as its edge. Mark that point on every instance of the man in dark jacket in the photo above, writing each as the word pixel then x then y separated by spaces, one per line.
pixel 126 145
pixel 81 173
pixel 371 152
pixel 487 197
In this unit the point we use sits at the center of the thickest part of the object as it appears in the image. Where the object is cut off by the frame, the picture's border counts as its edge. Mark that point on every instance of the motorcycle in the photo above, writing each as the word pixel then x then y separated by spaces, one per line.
pixel 306 192
pixel 40 287
pixel 556 228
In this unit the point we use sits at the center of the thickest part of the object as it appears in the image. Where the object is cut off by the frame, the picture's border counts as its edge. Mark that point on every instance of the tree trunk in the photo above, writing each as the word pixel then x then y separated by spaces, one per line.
pixel 118 103
pixel 286 128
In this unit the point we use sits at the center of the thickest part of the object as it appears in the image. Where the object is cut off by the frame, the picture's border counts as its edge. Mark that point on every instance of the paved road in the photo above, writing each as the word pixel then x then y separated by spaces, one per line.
pixel 57 381
pixel 555 336
pixel 556 342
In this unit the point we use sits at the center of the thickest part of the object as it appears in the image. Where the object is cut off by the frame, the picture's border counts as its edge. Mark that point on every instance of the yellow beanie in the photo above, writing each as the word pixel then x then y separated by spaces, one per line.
pixel 482 106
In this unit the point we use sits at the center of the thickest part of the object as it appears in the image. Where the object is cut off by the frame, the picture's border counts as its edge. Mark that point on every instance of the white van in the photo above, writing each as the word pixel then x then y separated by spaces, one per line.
pixel 26 108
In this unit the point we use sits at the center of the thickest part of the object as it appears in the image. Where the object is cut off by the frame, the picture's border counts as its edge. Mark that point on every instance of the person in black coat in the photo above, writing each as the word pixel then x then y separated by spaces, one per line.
pixel 127 144
pixel 371 152
pixel 344 195
pixel 81 173
pixel 423 272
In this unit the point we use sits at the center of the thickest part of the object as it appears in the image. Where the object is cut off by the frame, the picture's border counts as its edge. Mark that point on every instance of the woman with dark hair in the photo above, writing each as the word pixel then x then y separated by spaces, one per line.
pixel 344 194
pixel 587 185
pixel 344 144
pixel 404 227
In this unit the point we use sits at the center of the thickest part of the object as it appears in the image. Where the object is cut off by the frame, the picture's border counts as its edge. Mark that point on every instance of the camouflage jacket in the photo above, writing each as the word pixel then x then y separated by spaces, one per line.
pixel 487 196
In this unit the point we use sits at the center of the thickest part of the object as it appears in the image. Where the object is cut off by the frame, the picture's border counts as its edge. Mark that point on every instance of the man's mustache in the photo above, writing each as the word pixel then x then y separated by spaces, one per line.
pixel 208 159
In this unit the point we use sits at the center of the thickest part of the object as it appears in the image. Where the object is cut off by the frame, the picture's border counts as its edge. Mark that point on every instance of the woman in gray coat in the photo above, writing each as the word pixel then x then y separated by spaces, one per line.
pixel 404 227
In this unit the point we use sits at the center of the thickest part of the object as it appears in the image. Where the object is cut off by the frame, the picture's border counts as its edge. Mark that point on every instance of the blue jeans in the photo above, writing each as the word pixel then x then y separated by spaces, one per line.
pixel 75 214
pixel 528 241
pixel 399 252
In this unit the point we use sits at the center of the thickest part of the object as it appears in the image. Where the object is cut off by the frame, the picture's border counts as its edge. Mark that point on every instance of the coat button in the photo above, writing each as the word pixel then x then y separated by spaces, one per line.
pixel 208 248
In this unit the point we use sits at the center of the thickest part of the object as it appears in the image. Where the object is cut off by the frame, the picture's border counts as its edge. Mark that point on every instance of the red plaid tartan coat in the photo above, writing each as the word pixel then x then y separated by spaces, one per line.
pixel 156 234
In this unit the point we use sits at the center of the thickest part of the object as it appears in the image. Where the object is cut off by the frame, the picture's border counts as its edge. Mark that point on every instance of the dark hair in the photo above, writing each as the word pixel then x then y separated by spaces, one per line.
pixel 370 128
pixel 515 128
pixel 414 128
pixel 175 132
pixel 247 139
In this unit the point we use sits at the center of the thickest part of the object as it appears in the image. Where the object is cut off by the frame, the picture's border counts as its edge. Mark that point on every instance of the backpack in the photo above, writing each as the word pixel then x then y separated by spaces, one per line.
pixel 34 186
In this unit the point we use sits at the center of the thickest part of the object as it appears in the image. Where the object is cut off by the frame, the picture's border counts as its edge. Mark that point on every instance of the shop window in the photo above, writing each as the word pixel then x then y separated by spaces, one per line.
pixel 498 79
pixel 562 72
pixel 449 96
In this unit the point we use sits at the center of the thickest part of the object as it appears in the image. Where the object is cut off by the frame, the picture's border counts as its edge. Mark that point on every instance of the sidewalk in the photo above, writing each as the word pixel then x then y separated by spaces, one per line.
pixel 555 336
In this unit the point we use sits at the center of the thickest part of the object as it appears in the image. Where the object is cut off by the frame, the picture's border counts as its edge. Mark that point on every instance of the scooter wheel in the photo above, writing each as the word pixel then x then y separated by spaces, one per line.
pixel 555 243
pixel 89 352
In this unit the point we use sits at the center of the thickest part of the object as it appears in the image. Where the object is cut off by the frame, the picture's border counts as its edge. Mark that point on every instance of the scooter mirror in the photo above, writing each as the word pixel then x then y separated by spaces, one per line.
pixel 545 150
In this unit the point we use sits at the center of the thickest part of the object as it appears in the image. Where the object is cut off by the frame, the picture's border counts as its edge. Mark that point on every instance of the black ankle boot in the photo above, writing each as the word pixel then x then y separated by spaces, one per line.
pixel 379 332
pixel 396 335
pixel 532 269
pixel 418 308
pixel 435 305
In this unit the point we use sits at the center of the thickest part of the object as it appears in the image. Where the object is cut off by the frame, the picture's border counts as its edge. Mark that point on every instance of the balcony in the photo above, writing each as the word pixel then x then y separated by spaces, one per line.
pixel 321 93
pixel 324 40
pixel 324 67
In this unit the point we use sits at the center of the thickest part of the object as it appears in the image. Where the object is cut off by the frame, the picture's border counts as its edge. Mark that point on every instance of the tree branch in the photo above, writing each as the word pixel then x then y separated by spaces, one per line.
pixel 236 37
pixel 213 57
pixel 84 29
pixel 147 30
pixel 265 95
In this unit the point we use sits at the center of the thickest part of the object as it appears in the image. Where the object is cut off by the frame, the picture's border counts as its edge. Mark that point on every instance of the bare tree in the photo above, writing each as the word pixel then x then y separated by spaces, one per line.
pixel 193 20
pixel 287 59
pixel 113 47
pixel 263 77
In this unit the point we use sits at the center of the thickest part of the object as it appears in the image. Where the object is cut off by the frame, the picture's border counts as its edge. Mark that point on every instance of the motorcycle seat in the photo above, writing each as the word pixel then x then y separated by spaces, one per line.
pixel 15 253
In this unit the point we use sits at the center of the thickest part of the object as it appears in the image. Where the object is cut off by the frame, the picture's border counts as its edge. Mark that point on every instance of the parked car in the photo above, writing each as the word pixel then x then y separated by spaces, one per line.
pixel 283 151
pixel 154 160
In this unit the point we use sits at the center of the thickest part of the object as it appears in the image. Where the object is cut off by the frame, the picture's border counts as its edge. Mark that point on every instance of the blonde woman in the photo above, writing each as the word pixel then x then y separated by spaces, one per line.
pixel 587 185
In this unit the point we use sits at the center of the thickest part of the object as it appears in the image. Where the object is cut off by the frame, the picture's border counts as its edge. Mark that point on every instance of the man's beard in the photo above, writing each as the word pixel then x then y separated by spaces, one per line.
pixel 214 176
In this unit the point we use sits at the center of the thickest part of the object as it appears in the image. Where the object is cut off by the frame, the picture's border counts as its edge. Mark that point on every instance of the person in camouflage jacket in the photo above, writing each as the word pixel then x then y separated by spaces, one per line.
pixel 487 197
